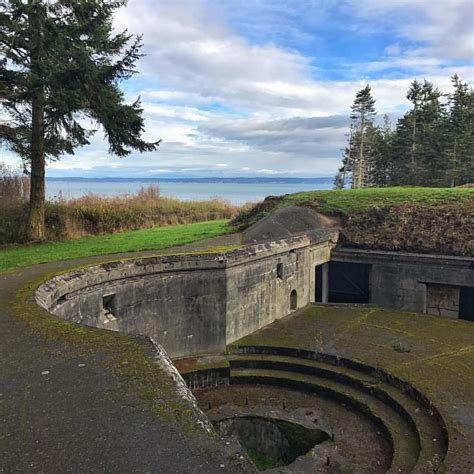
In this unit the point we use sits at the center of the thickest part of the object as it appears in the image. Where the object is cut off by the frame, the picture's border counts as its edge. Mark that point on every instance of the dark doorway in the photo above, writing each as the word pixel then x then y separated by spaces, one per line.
pixel 347 282
pixel 466 303
pixel 293 300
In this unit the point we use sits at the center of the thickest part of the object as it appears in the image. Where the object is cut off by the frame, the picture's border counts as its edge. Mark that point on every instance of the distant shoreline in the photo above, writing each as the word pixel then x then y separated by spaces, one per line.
pixel 242 180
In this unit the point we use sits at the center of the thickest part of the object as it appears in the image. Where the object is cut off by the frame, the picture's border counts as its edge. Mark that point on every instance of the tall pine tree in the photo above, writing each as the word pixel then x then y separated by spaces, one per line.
pixel 359 155
pixel 63 64
pixel 459 134
pixel 418 142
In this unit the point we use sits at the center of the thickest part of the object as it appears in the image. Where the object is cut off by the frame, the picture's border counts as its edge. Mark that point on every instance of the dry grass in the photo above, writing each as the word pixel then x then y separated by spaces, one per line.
pixel 93 215
pixel 14 194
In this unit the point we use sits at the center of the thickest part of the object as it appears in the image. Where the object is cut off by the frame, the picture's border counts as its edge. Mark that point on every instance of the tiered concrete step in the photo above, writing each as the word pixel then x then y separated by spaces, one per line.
pixel 404 448
pixel 426 432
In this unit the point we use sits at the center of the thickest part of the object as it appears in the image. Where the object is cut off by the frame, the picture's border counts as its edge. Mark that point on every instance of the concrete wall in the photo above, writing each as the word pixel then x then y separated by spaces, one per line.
pixel 259 289
pixel 196 303
pixel 414 282
pixel 180 302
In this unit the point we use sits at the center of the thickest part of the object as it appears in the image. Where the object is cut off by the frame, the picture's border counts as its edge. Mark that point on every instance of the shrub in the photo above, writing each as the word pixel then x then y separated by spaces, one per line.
pixel 92 214
pixel 14 192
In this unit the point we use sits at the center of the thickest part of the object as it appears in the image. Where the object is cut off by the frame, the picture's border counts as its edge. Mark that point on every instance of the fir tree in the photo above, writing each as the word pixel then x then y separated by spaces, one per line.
pixel 459 134
pixel 383 160
pixel 363 111
pixel 418 143
pixel 62 64
pixel 358 159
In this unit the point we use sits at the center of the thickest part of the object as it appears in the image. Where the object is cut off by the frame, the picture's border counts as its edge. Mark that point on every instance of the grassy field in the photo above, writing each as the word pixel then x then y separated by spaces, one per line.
pixel 349 201
pixel 426 220
pixel 147 239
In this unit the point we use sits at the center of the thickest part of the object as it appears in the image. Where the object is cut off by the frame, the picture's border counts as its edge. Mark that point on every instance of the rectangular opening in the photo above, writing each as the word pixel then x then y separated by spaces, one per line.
pixel 347 282
pixel 108 304
pixel 466 303
pixel 280 271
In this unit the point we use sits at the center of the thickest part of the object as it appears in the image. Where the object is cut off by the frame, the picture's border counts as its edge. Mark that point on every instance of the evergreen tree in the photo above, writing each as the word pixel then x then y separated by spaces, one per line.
pixel 62 64
pixel 345 170
pixel 363 112
pixel 459 134
pixel 383 160
pixel 359 155
pixel 418 144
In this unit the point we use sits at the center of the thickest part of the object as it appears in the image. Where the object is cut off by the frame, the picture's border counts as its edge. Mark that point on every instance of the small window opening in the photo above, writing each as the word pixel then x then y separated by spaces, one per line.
pixel 280 271
pixel 108 304
pixel 62 298
pixel 293 300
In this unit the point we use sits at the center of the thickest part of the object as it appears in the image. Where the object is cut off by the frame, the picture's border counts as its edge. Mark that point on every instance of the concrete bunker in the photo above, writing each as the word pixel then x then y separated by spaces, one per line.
pixel 441 285
pixel 193 304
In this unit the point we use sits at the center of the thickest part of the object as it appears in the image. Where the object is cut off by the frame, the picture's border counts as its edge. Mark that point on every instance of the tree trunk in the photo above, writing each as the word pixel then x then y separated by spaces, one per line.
pixel 361 171
pixel 413 178
pixel 454 166
pixel 37 191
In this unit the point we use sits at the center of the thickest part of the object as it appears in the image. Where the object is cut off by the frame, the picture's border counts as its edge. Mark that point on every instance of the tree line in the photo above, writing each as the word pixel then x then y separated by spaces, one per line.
pixel 431 145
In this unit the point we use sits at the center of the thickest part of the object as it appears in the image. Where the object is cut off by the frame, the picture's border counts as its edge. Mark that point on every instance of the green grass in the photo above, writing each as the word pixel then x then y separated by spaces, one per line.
pixel 147 239
pixel 350 201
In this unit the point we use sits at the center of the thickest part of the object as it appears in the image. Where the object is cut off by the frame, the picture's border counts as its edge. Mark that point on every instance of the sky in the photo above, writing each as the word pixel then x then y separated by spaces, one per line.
pixel 264 87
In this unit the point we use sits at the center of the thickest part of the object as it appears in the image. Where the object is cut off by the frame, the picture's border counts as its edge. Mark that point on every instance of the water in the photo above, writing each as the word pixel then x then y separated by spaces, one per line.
pixel 236 193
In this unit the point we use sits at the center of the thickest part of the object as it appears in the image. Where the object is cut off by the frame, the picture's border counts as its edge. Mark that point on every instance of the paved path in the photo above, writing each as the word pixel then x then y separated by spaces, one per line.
pixel 71 419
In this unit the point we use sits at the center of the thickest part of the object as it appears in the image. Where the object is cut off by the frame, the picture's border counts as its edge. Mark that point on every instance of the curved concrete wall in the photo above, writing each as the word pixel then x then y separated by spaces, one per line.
pixel 192 303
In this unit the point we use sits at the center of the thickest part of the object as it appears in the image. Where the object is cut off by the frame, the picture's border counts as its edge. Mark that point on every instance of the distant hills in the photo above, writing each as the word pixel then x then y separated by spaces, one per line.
pixel 242 180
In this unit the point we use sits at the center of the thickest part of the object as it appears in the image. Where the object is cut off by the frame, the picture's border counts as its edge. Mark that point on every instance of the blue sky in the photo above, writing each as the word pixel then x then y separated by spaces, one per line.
pixel 263 87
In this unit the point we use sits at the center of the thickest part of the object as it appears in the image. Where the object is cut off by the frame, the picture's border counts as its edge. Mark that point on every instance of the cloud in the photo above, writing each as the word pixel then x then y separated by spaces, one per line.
pixel 443 27
pixel 240 87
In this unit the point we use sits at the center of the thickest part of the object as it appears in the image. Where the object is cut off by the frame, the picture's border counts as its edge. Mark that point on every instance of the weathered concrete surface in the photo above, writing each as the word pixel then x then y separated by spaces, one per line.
pixel 193 303
pixel 413 282
pixel 259 284
pixel 439 360
pixel 286 222
pixel 79 417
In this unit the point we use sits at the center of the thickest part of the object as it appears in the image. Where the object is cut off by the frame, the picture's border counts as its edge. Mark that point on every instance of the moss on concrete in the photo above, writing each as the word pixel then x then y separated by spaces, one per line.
pixel 130 359
pixel 439 363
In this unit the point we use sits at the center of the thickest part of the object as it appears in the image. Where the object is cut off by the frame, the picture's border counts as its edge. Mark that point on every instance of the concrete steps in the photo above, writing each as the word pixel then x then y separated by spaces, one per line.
pixel 414 428
pixel 398 409
pixel 399 433
pixel 427 430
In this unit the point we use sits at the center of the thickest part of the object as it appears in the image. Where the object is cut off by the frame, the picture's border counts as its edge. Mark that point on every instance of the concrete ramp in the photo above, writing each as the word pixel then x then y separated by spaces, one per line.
pixel 286 222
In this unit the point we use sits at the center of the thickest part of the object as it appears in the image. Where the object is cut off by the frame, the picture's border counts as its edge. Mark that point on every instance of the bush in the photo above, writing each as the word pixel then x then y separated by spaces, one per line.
pixel 14 193
pixel 92 214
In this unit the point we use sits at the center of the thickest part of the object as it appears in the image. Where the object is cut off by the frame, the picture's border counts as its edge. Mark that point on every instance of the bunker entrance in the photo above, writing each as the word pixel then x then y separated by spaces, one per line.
pixel 271 442
pixel 466 303
pixel 347 283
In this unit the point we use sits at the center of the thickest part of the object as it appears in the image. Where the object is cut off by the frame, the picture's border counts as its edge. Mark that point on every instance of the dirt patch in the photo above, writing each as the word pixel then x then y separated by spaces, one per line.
pixel 287 221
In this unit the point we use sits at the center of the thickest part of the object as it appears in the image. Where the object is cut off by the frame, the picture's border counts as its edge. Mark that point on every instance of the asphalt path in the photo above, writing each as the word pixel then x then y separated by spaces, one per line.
pixel 58 413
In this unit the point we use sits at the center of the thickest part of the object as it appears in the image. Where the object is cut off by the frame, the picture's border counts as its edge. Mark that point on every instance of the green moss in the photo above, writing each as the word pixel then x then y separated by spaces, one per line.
pixel 263 461
pixel 129 359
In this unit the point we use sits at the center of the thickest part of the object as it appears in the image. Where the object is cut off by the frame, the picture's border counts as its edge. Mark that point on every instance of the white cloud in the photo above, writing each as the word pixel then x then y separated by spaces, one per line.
pixel 444 26
pixel 223 103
